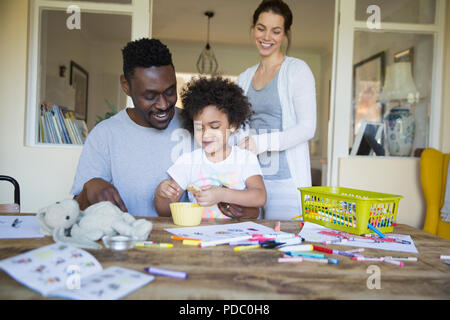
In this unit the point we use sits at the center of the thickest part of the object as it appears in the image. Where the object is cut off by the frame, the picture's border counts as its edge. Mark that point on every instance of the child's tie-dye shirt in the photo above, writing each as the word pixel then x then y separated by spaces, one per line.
pixel 195 168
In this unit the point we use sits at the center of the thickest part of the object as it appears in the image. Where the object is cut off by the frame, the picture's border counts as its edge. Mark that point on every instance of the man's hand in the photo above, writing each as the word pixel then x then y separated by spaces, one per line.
pixel 238 212
pixel 97 190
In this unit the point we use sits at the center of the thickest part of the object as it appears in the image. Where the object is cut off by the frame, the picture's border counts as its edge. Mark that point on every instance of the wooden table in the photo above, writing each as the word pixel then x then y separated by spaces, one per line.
pixel 221 273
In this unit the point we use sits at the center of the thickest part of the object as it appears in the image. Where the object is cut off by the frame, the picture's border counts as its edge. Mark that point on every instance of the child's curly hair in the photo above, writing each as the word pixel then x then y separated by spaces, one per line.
pixel 227 96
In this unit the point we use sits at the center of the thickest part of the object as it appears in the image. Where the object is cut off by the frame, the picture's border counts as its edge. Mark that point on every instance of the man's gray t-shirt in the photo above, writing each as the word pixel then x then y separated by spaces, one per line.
pixel 133 158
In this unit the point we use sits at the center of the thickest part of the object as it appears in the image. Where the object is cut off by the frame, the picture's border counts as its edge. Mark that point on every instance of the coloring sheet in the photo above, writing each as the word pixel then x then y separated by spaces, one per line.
pixel 13 227
pixel 61 270
pixel 222 231
pixel 393 242
pixel 110 284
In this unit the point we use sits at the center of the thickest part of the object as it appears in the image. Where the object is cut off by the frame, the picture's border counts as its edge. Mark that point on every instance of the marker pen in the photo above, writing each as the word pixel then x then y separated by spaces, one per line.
pixel 397 263
pixel 335 241
pixel 300 247
pixel 360 258
pixel 322 249
pixel 154 245
pixel 290 241
pixel 355 250
pixel 166 273
pixel 343 253
pixel 378 232
pixel 402 258
pixel 243 248
pixel 187 242
pixel 182 238
pixel 315 260
pixel 306 254
pixel 222 241
pixel 290 260
pixel 143 243
pixel 242 243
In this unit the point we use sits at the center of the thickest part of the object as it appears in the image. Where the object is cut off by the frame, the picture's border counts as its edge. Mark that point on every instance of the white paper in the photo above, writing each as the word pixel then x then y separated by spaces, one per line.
pixel 314 233
pixel 46 268
pixel 28 227
pixel 49 270
pixel 222 231
pixel 110 284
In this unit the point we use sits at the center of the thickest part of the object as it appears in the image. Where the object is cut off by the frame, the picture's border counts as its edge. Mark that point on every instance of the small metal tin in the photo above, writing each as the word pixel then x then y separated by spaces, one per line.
pixel 119 243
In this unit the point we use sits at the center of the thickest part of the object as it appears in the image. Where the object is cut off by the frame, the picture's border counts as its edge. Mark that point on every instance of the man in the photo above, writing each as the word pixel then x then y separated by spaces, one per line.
pixel 126 156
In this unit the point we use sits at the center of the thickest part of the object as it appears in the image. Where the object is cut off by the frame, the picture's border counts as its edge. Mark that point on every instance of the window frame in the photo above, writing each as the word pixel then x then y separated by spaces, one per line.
pixel 140 12
pixel 342 79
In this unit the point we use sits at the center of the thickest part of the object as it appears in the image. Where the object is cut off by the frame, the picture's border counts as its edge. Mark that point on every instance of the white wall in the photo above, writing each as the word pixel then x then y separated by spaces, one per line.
pixel 234 59
pixel 45 174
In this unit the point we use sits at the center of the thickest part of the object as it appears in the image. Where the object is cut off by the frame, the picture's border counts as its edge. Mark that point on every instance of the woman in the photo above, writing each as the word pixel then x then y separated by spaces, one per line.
pixel 282 92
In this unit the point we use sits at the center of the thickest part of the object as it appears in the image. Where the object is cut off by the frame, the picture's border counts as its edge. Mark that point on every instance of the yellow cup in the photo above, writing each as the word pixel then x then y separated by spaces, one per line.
pixel 186 214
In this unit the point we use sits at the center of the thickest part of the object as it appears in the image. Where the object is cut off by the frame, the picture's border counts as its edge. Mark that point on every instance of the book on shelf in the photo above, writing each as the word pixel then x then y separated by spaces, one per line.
pixel 58 125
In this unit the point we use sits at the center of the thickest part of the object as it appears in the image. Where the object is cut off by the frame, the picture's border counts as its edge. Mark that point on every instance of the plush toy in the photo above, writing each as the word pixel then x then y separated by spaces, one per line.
pixel 66 223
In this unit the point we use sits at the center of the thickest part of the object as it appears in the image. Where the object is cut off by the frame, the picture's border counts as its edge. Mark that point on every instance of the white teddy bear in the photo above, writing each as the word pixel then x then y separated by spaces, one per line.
pixel 66 223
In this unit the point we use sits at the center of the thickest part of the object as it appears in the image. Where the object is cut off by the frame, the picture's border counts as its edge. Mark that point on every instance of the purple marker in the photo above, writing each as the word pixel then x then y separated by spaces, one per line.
pixel 166 273
pixel 243 243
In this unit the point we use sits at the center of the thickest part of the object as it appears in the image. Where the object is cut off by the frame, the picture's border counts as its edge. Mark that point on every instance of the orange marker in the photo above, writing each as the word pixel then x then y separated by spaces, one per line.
pixel 181 238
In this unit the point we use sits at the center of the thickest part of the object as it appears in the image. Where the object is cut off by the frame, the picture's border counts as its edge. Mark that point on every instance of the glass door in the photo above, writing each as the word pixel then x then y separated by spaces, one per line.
pixel 387 66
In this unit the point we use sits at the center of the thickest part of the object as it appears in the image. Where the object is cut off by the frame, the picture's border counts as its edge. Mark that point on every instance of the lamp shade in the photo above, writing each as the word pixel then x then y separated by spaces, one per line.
pixel 399 84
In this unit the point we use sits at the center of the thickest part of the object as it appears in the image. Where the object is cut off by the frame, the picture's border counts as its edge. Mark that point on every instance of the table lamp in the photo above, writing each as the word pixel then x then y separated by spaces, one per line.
pixel 399 87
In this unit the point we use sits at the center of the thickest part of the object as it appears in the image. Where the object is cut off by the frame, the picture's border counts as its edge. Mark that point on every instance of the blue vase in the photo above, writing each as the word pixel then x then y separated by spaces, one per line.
pixel 400 128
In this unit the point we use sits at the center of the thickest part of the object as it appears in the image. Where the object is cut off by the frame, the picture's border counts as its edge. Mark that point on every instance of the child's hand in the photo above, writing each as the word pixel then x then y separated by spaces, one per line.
pixel 209 196
pixel 168 189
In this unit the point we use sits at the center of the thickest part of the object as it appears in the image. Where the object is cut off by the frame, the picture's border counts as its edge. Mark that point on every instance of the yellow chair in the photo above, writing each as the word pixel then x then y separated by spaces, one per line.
pixel 433 173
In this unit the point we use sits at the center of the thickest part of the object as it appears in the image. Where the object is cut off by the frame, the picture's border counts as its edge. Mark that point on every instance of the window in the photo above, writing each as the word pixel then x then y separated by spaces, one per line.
pixel 74 64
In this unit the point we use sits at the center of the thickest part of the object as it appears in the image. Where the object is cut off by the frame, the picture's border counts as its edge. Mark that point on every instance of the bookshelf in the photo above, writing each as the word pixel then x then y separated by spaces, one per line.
pixel 58 125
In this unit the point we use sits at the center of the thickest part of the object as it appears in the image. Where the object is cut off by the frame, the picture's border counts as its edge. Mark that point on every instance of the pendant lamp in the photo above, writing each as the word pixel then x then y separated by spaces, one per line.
pixel 207 62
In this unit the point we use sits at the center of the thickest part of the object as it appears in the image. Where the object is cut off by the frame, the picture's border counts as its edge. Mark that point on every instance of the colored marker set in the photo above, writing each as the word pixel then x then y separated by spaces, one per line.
pixel 301 253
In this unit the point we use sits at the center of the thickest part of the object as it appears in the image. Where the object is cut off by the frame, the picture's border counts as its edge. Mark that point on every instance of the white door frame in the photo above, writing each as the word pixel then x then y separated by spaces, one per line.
pixel 342 77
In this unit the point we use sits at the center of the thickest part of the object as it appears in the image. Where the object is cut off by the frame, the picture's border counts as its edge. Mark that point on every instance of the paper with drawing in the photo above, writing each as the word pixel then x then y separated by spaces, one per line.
pixel 222 231
pixel 13 227
pixel 394 242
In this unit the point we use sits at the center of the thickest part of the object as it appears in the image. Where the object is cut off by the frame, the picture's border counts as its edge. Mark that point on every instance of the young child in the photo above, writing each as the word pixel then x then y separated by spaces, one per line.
pixel 213 109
